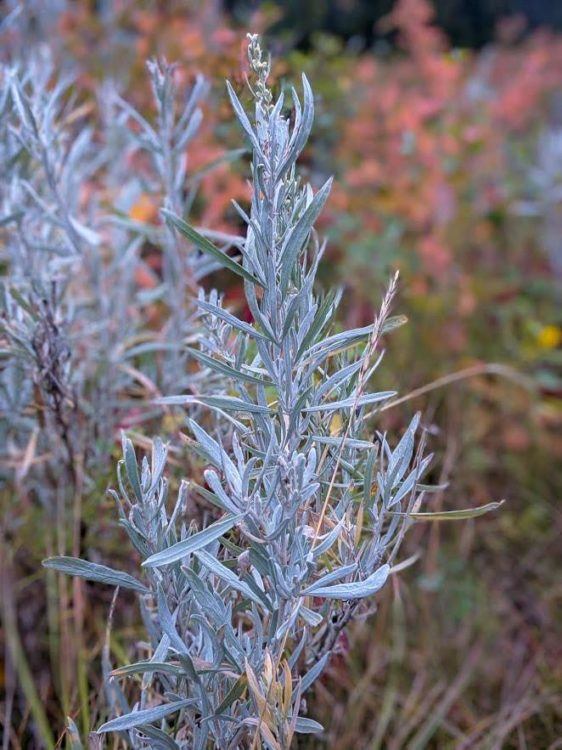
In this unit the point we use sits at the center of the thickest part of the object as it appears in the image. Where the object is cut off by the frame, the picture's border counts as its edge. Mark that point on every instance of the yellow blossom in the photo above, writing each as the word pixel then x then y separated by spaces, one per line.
pixel 549 337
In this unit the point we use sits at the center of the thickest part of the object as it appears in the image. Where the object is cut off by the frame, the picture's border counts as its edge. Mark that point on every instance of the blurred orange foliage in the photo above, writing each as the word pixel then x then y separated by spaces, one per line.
pixel 425 141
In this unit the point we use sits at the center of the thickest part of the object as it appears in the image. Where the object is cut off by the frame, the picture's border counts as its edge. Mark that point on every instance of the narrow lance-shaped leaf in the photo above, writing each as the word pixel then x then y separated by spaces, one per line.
pixel 314 673
pixel 348 442
pixel 231 319
pixel 323 315
pixel 300 136
pixel 206 246
pixel 223 368
pixel 229 403
pixel 352 402
pixel 330 578
pixel 142 667
pixel 227 575
pixel 235 692
pixel 215 453
pixel 339 342
pixel 191 544
pixel 304 725
pixel 301 231
pixel 243 119
pixel 131 466
pixel 146 716
pixel 328 539
pixel 453 515
pixel 356 590
pixel 73 566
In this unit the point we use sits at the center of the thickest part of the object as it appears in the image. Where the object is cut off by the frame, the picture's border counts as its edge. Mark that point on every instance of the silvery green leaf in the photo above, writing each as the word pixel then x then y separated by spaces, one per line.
pixel 301 231
pixel 259 317
pixel 356 590
pixel 432 488
pixel 142 667
pixel 210 603
pixel 207 246
pixel 289 622
pixel 411 482
pixel 220 496
pixel 227 575
pixel 240 211
pixel 256 586
pixel 402 454
pixel 131 466
pixel 339 378
pixel 215 453
pixel 223 368
pixel 295 304
pixel 229 403
pixel 339 342
pixel 311 617
pixel 328 540
pixel 73 566
pixel 393 322
pixel 454 515
pixel 159 456
pixel 138 118
pixel 233 694
pixel 314 673
pixel 352 402
pixel 303 126
pixel 231 319
pixel 146 716
pixel 191 544
pixel 323 316
pixel 307 726
pixel 215 499
pixel 348 442
pixel 167 622
pixel 243 119
pixel 190 130
pixel 213 450
pixel 334 575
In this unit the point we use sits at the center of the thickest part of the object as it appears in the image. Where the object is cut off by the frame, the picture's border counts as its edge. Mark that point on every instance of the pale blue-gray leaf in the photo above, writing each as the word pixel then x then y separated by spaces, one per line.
pixel 356 590
pixel 192 544
pixel 146 716
pixel 304 725
pixel 73 566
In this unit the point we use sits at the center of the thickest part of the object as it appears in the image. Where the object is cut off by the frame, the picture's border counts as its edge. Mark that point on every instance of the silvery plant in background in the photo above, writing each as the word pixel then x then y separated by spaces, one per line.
pixel 311 501
pixel 73 317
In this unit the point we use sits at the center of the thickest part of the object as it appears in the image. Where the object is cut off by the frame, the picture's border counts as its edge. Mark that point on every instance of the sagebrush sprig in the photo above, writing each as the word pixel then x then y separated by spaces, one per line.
pixel 243 614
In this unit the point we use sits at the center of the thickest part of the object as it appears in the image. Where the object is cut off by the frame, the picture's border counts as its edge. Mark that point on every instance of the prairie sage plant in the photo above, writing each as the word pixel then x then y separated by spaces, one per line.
pixel 312 503
pixel 74 316
pixel 84 339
